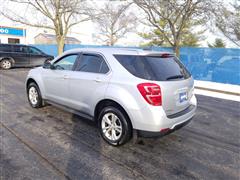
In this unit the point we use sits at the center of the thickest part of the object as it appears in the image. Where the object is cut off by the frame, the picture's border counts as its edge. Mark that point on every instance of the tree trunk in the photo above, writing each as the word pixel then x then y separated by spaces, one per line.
pixel 60 44
pixel 176 49
pixel 111 42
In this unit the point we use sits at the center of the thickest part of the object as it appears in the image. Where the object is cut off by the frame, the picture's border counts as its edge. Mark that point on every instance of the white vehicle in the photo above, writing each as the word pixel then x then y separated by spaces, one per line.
pixel 122 89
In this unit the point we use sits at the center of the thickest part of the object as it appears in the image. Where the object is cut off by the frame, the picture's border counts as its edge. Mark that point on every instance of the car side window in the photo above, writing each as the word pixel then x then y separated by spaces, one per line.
pixel 20 49
pixel 66 63
pixel 92 63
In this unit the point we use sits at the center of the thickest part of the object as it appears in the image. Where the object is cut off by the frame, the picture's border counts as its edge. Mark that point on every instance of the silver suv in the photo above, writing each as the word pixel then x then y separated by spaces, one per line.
pixel 123 90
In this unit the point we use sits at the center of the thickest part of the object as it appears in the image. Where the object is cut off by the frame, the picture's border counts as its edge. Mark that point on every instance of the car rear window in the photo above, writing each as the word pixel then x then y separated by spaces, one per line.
pixel 155 68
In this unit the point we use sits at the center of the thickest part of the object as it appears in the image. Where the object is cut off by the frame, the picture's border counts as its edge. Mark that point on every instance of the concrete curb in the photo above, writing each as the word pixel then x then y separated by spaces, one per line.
pixel 218 91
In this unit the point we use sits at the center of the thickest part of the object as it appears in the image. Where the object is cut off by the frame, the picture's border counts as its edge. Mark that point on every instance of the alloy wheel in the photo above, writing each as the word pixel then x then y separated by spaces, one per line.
pixel 6 64
pixel 33 95
pixel 111 126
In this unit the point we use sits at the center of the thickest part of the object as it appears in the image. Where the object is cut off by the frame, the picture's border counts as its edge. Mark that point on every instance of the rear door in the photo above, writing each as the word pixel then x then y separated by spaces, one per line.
pixel 88 82
pixel 37 57
pixel 168 72
pixel 20 55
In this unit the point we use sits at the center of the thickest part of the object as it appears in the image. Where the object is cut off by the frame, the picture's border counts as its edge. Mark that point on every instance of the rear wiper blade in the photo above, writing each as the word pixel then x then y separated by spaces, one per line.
pixel 175 77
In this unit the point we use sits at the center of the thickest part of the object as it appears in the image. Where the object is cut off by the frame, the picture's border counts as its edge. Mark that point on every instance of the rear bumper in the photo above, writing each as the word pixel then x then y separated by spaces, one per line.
pixel 150 134
pixel 181 113
pixel 154 119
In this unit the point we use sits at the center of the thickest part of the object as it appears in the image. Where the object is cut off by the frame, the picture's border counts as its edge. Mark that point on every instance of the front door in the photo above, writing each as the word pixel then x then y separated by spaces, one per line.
pixel 37 57
pixel 56 81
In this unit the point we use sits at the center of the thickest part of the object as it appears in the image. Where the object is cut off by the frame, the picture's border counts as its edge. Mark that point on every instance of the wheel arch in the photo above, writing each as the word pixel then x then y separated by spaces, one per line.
pixel 109 102
pixel 9 58
pixel 31 80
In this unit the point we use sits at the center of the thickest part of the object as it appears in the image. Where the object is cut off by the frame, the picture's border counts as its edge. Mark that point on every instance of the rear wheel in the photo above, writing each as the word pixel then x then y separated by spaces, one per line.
pixel 34 96
pixel 114 126
pixel 6 64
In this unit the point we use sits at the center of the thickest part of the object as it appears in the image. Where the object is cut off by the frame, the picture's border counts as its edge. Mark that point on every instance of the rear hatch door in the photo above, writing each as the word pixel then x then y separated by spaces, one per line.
pixel 176 95
pixel 168 72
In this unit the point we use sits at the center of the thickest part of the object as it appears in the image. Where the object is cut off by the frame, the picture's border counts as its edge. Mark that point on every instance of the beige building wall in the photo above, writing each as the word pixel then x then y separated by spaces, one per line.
pixel 41 39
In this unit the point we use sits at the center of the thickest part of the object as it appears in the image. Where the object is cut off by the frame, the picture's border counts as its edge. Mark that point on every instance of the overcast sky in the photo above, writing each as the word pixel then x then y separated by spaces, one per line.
pixel 85 31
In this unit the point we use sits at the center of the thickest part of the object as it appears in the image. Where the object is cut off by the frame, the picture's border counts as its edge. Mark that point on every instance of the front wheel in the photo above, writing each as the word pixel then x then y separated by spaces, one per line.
pixel 6 64
pixel 114 126
pixel 34 96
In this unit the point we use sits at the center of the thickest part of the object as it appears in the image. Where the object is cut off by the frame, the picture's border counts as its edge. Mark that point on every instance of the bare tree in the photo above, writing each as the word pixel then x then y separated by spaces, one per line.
pixel 56 15
pixel 172 17
pixel 114 22
pixel 227 19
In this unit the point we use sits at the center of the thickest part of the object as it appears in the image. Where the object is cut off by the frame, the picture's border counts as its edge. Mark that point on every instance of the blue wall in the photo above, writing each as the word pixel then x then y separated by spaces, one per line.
pixel 209 64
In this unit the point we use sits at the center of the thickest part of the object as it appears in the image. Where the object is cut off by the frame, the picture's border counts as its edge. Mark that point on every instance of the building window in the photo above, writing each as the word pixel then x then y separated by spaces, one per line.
pixel 13 41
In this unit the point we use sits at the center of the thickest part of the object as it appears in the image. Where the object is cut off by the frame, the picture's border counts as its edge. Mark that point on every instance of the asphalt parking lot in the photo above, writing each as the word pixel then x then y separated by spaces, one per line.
pixel 49 143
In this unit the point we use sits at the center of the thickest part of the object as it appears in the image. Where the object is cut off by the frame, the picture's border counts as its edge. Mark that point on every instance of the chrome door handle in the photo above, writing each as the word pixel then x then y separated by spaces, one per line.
pixel 98 80
pixel 65 77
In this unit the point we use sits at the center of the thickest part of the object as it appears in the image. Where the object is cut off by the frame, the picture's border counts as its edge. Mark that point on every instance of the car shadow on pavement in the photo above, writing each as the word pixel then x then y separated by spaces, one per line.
pixel 92 158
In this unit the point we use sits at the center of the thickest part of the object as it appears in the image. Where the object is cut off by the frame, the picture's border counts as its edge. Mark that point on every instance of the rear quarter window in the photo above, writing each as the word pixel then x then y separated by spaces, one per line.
pixel 5 48
pixel 155 68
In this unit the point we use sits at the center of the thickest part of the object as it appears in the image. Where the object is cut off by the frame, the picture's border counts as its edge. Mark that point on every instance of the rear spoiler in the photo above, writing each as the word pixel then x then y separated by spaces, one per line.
pixel 162 55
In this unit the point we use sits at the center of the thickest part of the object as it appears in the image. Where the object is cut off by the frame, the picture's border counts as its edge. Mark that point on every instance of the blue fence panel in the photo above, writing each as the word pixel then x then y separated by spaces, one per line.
pixel 209 64
pixel 213 64
pixel 50 49
pixel 73 46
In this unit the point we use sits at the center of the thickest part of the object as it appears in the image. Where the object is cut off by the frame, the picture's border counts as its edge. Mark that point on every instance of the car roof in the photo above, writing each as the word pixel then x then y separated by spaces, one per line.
pixel 3 44
pixel 125 51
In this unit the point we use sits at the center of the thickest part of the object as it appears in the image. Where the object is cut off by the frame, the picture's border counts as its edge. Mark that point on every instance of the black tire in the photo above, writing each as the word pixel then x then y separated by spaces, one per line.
pixel 122 120
pixel 39 101
pixel 6 64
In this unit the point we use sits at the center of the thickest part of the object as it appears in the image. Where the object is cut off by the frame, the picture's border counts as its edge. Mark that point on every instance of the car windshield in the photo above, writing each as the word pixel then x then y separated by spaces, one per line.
pixel 155 68
pixel 33 50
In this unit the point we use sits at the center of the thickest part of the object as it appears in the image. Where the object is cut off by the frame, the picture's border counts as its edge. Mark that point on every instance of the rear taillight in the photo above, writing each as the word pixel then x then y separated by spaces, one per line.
pixel 151 93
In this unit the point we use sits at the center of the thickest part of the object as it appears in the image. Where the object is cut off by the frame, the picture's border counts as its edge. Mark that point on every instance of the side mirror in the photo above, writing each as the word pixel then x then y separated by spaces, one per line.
pixel 48 65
